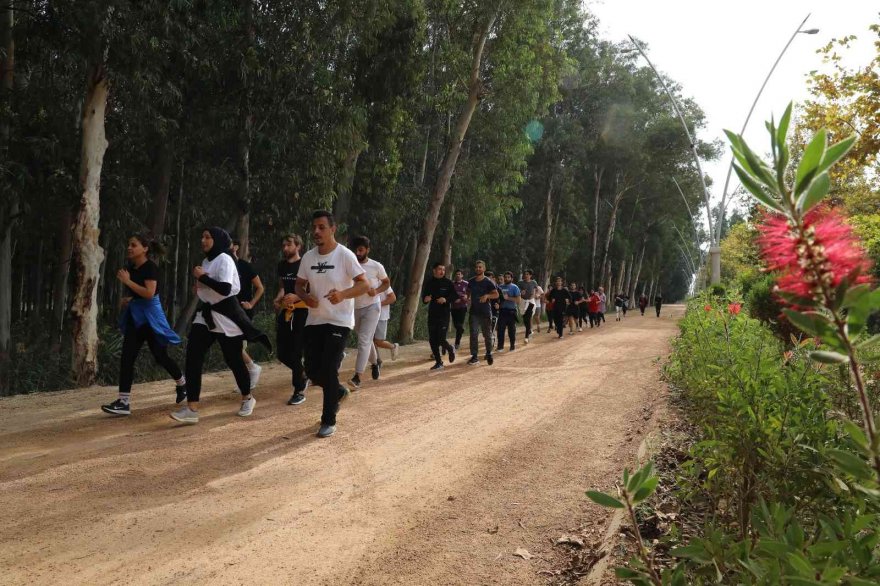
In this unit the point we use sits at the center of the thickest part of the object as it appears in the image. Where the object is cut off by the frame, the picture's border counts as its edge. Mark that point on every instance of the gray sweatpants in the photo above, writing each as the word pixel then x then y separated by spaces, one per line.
pixel 365 321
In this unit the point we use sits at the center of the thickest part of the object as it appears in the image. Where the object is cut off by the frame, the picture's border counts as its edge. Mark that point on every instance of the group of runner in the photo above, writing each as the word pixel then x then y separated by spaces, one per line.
pixel 323 295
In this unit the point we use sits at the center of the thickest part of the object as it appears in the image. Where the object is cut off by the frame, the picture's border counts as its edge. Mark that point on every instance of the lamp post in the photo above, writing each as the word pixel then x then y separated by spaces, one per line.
pixel 715 230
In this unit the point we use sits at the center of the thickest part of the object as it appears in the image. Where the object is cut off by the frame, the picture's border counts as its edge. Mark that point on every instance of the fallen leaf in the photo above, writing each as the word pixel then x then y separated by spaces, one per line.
pixel 523 553
pixel 493 530
pixel 570 540
pixel 521 524
pixel 450 498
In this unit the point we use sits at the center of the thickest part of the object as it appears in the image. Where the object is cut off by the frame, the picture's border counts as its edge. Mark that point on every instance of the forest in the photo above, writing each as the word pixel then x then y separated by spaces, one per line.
pixel 444 130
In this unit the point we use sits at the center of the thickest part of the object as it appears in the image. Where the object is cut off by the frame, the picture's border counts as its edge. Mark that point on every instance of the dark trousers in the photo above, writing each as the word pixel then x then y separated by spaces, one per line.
pixel 558 320
pixel 507 323
pixel 527 318
pixel 438 326
pixel 324 345
pixel 594 319
pixel 657 307
pixel 131 347
pixel 582 315
pixel 600 317
pixel 200 341
pixel 481 323
pixel 458 316
pixel 289 337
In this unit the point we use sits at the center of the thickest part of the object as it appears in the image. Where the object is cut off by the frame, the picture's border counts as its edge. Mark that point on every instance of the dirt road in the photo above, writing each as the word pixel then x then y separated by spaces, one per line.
pixel 431 479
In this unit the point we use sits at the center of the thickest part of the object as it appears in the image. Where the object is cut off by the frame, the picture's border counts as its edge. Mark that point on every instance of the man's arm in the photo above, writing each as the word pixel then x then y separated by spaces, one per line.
pixel 307 298
pixel 384 284
pixel 359 288
pixel 259 289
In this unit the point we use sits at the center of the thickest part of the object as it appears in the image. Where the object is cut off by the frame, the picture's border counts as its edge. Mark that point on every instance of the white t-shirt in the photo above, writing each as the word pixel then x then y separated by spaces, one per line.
pixel 324 272
pixel 385 312
pixel 375 273
pixel 222 269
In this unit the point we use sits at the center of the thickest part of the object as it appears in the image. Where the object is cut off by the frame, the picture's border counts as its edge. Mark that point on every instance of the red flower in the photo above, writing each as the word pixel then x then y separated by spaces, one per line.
pixel 708 308
pixel 734 308
pixel 813 259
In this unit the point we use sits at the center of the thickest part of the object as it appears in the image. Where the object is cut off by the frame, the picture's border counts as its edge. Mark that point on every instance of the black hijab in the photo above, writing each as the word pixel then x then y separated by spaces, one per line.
pixel 222 242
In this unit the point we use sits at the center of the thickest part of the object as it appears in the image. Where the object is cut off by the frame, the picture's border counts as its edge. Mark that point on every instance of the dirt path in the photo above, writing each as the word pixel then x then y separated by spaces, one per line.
pixel 431 479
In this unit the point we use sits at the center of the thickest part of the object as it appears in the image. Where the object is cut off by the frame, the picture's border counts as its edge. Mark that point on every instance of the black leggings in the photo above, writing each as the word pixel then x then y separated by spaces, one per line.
pixel 131 346
pixel 200 341
pixel 324 345
pixel 527 319
pixel 559 320
pixel 289 337
pixel 582 315
pixel 437 329
pixel 458 316
pixel 507 324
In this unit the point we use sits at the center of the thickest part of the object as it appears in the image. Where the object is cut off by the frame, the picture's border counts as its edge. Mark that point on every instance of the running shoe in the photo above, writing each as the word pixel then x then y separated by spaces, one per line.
pixel 457 346
pixel 343 395
pixel 437 366
pixel 395 351
pixel 452 355
pixel 247 407
pixel 355 382
pixel 511 349
pixel 185 415
pixel 526 339
pixel 489 359
pixel 473 361
pixel 326 430
pixel 580 329
pixel 117 407
pixel 296 399
pixel 374 370
pixel 499 350
pixel 180 390
pixel 254 370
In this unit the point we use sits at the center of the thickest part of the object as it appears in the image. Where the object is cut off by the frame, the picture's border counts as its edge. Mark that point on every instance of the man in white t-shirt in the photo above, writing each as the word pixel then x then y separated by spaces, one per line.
pixel 380 337
pixel 329 279
pixel 367 307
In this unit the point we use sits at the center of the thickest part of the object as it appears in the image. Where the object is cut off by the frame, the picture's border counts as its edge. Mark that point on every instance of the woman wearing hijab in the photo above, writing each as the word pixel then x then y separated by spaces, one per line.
pixel 219 318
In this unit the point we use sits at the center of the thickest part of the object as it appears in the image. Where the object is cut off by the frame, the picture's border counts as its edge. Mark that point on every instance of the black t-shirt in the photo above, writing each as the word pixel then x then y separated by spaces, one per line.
pixel 287 273
pixel 437 288
pixel 246 275
pixel 149 271
pixel 559 297
pixel 477 289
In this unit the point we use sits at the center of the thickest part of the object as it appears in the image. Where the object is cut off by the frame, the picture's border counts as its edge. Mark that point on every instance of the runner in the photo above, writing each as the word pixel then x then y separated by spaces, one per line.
pixel 658 302
pixel 143 320
pixel 439 292
pixel 334 278
pixel 459 306
pixel 510 297
pixel 572 312
pixel 290 322
pixel 388 299
pixel 538 298
pixel 593 309
pixel 620 305
pixel 481 293
pixel 560 298
pixel 220 318
pixel 583 312
pixel 529 293
pixel 251 291
pixel 367 307
pixel 602 302
pixel 643 302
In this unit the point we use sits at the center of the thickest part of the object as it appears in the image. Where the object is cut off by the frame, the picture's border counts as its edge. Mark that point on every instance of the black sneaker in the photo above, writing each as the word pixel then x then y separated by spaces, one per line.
pixel 473 361
pixel 343 395
pixel 181 394
pixel 437 366
pixel 451 355
pixel 117 407
pixel 297 399
pixel 374 370
pixel 489 359
pixel 355 382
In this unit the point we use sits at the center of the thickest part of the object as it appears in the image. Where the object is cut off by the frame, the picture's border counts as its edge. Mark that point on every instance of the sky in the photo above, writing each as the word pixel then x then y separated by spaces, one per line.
pixel 720 53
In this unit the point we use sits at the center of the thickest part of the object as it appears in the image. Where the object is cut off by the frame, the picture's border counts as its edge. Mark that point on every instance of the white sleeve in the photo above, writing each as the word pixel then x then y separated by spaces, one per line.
pixel 303 272
pixel 228 273
pixel 381 274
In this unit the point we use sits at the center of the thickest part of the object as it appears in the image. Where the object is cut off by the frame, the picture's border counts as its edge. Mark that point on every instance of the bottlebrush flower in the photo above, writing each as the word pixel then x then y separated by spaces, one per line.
pixel 814 258
pixel 707 307
pixel 734 308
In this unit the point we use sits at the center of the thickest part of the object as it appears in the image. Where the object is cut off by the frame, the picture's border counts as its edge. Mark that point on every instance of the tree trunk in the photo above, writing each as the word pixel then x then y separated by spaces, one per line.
pixel 162 178
pixel 173 289
pixel 548 236
pixel 612 221
pixel 88 252
pixel 448 237
pixel 441 187
pixel 597 177
pixel 246 120
pixel 635 282
pixel 346 183
pixel 10 206
pixel 62 270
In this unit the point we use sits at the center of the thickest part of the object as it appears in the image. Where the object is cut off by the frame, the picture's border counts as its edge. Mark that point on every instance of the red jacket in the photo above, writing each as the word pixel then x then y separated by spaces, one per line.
pixel 593 303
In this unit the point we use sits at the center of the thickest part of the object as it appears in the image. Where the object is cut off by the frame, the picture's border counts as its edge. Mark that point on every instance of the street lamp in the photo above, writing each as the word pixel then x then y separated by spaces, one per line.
pixel 715 231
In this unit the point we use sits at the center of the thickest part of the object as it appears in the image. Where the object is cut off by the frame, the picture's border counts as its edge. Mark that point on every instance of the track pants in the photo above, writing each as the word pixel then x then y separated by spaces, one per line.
pixel 559 320
pixel 289 338
pixel 438 326
pixel 324 345
pixel 458 316
pixel 527 318
pixel 200 341
pixel 131 347
pixel 507 323
pixel 481 323
pixel 365 321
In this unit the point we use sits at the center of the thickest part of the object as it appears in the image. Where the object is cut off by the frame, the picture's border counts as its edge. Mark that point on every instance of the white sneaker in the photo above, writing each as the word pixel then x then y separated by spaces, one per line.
pixel 395 351
pixel 526 340
pixel 247 407
pixel 254 370
pixel 580 329
pixel 185 415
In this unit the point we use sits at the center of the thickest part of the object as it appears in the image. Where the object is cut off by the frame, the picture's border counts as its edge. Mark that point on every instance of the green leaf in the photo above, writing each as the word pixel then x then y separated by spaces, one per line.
pixel 755 189
pixel 836 152
pixel 817 190
pixel 868 342
pixel 782 131
pixel 827 357
pixel 810 161
pixel 850 463
pixel 694 551
pixel 856 434
pixel 646 489
pixel 800 563
pixel 605 500
pixel 811 322
pixel 800 581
